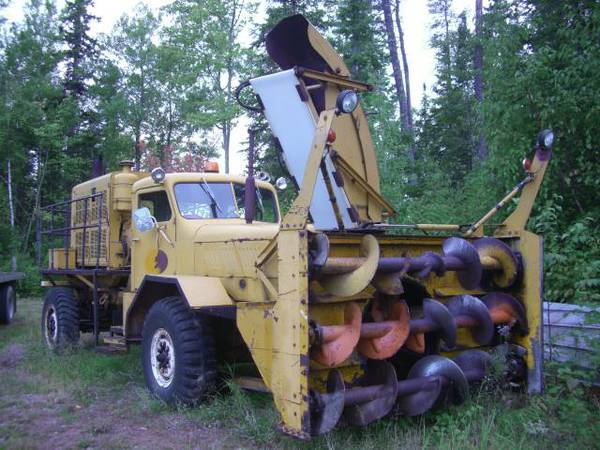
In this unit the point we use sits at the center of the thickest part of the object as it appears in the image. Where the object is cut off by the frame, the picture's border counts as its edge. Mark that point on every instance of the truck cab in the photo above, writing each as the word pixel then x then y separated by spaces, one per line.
pixel 193 213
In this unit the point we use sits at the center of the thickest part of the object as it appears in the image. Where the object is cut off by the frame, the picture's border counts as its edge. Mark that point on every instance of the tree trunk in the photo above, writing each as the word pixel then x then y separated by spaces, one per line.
pixel 13 259
pixel 482 151
pixel 138 150
pixel 405 66
pixel 398 80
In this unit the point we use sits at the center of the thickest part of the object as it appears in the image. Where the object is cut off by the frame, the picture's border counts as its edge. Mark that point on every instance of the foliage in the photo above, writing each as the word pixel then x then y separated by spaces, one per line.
pixel 162 81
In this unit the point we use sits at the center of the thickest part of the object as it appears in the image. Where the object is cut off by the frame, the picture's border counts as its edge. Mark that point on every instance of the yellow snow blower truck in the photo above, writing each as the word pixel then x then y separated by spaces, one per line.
pixel 329 308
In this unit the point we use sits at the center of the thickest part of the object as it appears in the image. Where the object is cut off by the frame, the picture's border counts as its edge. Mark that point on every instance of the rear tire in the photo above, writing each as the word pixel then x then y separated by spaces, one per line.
pixel 178 353
pixel 60 319
pixel 8 303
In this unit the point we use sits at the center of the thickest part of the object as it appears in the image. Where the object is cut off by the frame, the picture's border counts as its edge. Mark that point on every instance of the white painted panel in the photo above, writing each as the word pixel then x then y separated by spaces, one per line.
pixel 293 124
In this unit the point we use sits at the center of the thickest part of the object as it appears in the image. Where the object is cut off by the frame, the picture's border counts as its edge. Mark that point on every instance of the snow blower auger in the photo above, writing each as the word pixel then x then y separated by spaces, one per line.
pixel 364 321
pixel 340 320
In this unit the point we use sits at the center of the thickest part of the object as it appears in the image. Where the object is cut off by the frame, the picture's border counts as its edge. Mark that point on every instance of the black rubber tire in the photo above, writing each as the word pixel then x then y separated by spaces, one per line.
pixel 194 374
pixel 62 302
pixel 8 303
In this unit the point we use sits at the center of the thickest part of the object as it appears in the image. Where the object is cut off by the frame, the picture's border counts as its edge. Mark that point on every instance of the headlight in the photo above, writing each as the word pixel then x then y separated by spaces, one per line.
pixel 281 183
pixel 158 174
pixel 347 101
pixel 546 139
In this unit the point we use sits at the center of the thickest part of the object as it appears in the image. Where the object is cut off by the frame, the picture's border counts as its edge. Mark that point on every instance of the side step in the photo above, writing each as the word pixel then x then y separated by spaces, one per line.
pixel 112 344
pixel 251 384
pixel 118 330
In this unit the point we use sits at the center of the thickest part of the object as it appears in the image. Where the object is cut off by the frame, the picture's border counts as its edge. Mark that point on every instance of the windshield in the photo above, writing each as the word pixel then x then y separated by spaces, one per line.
pixel 204 200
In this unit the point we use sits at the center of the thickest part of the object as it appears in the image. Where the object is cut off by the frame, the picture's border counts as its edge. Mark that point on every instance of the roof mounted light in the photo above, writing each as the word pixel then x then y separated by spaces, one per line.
pixel 211 167
pixel 545 139
pixel 158 174
pixel 346 102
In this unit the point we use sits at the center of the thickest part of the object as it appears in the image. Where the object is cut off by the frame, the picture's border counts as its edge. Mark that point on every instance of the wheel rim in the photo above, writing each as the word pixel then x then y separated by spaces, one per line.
pixel 51 326
pixel 162 357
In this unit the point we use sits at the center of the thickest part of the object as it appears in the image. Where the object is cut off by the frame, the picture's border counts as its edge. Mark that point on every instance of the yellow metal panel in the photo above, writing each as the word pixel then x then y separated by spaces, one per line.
pixel 531 248
pixel 289 381
pixel 255 323
pixel 57 258
pixel 202 291
pixel 519 217
pixel 151 253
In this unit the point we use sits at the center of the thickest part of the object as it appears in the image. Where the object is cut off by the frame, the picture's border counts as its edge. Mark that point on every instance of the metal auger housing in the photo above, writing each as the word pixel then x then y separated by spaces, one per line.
pixel 432 380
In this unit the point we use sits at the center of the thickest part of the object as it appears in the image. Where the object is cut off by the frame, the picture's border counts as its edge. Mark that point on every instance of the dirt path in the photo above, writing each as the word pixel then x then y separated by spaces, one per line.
pixel 36 412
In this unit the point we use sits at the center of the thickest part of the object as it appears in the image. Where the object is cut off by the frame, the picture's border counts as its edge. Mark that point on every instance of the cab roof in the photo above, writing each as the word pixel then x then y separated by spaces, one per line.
pixel 191 177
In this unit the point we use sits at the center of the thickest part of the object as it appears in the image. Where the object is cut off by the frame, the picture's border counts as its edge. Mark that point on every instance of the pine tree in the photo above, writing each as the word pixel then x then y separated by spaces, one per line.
pixel 78 107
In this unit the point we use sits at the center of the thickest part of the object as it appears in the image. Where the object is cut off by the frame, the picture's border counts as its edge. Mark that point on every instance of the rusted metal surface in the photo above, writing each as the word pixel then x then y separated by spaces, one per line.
pixel 382 338
pixel 470 312
pixel 486 259
pixel 480 316
pixel 504 308
pixel 495 253
pixel 367 404
pixel 431 380
pixel 333 344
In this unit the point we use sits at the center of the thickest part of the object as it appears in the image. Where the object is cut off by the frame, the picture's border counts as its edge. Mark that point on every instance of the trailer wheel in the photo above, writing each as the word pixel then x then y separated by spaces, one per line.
pixel 60 319
pixel 8 303
pixel 178 353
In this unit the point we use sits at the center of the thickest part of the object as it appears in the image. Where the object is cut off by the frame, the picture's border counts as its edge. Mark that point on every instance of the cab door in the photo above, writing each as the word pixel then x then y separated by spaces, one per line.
pixel 153 251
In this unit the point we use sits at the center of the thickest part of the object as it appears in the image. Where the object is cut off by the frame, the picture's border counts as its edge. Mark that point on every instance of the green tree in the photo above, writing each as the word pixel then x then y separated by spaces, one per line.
pixel 79 55
pixel 133 70
pixel 206 58
pixel 31 120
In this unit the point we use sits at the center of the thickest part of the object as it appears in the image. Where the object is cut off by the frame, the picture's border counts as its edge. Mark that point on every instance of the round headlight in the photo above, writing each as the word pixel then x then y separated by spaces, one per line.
pixel 263 176
pixel 281 183
pixel 546 139
pixel 347 101
pixel 158 174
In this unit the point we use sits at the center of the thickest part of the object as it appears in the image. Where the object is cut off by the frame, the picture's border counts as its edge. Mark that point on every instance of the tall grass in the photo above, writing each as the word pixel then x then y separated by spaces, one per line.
pixel 493 418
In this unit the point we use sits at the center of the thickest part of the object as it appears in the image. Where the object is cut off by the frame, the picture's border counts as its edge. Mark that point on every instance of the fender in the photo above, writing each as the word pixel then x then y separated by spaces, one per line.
pixel 205 294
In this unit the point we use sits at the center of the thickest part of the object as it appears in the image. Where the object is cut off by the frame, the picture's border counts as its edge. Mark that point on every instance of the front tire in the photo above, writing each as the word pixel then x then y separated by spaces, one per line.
pixel 178 353
pixel 60 319
pixel 8 303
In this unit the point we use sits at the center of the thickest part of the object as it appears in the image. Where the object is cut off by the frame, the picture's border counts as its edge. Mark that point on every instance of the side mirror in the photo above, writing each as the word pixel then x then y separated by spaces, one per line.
pixel 143 220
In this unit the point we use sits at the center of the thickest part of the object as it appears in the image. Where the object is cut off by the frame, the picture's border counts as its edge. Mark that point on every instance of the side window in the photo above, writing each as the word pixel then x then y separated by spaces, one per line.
pixel 266 206
pixel 158 204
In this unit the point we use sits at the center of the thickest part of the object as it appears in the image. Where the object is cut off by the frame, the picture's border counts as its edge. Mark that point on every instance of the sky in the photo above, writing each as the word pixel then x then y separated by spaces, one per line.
pixel 415 20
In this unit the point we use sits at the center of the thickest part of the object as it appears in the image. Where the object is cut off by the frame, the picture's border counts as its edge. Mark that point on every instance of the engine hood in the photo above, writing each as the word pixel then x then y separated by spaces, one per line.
pixel 235 231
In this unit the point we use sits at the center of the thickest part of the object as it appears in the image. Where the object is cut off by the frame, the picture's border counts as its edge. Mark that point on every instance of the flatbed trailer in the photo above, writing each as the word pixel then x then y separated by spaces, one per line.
pixel 8 295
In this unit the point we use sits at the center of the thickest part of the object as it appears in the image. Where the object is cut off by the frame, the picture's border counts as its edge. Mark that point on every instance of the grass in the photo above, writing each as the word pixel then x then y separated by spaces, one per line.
pixel 493 418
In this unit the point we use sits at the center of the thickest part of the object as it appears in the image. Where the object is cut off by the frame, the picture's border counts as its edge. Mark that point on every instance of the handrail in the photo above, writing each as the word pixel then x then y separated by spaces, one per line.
pixel 64 208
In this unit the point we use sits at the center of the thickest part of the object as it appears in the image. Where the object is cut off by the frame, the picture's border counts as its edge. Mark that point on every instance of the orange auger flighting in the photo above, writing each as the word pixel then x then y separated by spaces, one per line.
pixel 322 307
